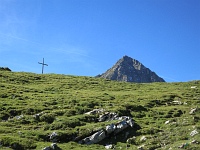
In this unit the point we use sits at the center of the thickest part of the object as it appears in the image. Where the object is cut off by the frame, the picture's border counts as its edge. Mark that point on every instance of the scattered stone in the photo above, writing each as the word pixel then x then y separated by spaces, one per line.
pixel 54 146
pixel 192 111
pixel 37 116
pixel 141 147
pixel 108 116
pixel 167 122
pixel 185 103
pixel 194 132
pixel 109 146
pixel 53 137
pixel 120 126
pixel 95 138
pixel 130 121
pixel 194 142
pixel 125 121
pixel 177 102
pixel 95 111
pixel 47 148
pixel 112 128
pixel 184 145
pixel 19 117
pixel 143 138
pixel 193 87
pixel 131 140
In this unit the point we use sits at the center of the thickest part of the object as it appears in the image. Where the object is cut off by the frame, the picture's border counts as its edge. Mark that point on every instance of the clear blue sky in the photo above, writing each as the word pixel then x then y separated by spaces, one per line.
pixel 87 37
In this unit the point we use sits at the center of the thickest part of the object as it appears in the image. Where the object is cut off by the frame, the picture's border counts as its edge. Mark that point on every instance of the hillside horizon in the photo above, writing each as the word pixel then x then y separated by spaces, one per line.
pixel 6 68
pixel 79 112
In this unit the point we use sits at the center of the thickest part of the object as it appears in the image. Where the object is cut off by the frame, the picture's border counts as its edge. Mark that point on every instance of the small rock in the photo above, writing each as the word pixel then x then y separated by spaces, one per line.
pixel 109 146
pixel 53 137
pixel 19 117
pixel 194 142
pixel 95 111
pixel 130 122
pixel 141 147
pixel 177 102
pixel 192 111
pixel 167 122
pixel 110 128
pixel 47 148
pixel 131 140
pixel 143 138
pixel 184 145
pixel 54 146
pixel 193 87
pixel 194 132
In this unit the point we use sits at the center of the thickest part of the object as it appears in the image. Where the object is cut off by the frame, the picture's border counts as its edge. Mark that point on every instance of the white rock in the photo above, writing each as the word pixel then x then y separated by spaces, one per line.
pixel 95 111
pixel 192 111
pixel 194 132
pixel 194 142
pixel 130 122
pixel 54 146
pixel 53 137
pixel 110 128
pixel 110 146
pixel 167 122
pixel 47 148
pixel 143 138
pixel 141 147
pixel 19 117
pixel 193 87
pixel 177 102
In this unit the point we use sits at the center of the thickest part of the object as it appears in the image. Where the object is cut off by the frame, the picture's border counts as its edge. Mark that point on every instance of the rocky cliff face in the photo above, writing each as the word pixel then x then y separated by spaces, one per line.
pixel 131 70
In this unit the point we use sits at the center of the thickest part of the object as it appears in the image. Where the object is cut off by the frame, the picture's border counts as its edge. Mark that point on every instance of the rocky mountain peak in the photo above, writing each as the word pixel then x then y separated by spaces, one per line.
pixel 131 70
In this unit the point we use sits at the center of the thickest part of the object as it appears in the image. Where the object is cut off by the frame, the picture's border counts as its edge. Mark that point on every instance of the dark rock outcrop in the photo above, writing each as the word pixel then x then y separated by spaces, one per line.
pixel 4 69
pixel 131 70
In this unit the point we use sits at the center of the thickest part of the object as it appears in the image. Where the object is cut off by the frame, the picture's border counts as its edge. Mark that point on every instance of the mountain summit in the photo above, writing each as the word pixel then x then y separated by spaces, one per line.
pixel 131 70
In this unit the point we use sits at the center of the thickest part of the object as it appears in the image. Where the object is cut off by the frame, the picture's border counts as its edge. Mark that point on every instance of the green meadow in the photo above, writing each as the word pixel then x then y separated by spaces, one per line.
pixel 33 106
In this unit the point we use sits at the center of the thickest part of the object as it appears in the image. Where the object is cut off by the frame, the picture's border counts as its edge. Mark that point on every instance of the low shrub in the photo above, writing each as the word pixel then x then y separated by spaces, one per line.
pixel 17 144
pixel 49 118
pixel 66 123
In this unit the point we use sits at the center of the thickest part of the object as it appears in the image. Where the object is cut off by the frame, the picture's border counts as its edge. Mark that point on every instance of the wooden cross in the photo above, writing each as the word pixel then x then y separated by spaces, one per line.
pixel 42 65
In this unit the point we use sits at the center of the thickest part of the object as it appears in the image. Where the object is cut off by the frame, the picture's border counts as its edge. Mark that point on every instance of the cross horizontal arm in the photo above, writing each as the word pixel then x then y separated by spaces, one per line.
pixel 42 64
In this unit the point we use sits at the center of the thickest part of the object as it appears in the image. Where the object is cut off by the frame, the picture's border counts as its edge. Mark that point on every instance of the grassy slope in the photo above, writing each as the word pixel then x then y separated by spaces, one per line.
pixel 64 100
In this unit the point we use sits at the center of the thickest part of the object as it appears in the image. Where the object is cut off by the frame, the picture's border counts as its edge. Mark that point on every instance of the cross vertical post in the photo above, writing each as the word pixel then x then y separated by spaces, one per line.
pixel 43 64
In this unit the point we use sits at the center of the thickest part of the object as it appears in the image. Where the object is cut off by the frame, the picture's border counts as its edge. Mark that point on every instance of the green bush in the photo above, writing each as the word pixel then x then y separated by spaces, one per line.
pixel 70 112
pixel 17 144
pixel 66 123
pixel 49 118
